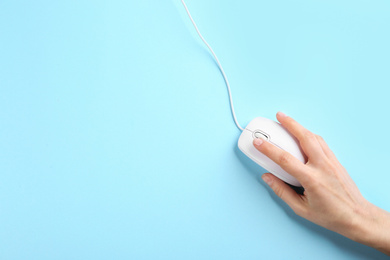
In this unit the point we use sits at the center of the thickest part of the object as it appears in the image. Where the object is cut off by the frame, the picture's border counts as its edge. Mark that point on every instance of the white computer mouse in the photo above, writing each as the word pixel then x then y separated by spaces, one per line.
pixel 276 134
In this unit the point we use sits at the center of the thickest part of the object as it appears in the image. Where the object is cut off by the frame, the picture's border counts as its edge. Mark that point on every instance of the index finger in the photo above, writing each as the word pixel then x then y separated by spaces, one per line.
pixel 284 159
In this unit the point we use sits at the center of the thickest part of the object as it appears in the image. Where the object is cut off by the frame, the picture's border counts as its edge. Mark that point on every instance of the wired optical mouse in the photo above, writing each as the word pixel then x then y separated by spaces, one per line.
pixel 275 134
pixel 259 127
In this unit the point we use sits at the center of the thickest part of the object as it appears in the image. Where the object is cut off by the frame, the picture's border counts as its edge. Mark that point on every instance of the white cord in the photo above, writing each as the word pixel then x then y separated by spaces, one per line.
pixel 219 65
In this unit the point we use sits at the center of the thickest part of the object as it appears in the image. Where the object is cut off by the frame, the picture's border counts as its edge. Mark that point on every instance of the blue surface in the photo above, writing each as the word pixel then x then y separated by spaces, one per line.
pixel 116 139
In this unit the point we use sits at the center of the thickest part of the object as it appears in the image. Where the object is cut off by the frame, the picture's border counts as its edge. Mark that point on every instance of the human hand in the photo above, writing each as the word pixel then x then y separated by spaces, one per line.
pixel 331 199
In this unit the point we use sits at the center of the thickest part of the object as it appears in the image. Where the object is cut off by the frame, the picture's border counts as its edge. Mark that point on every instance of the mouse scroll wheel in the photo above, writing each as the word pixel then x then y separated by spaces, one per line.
pixel 260 134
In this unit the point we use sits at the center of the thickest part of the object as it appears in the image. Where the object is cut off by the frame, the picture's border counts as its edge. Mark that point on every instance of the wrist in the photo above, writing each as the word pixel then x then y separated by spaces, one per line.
pixel 372 227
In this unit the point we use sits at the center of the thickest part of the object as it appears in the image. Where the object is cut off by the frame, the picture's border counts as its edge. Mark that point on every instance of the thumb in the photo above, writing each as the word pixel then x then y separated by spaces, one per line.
pixel 283 191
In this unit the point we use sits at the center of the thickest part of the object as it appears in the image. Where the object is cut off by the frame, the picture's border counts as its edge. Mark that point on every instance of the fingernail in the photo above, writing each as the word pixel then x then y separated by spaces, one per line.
pixel 258 141
pixel 267 179
pixel 281 114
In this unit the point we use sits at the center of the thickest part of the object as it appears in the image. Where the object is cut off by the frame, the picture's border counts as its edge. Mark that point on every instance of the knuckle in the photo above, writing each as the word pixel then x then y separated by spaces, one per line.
pixel 320 138
pixel 284 159
pixel 308 135
pixel 331 169
pixel 313 182
pixel 279 192
pixel 323 163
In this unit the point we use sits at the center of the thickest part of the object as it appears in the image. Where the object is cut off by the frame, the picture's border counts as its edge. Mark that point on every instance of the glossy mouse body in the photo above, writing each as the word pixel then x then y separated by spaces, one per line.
pixel 276 134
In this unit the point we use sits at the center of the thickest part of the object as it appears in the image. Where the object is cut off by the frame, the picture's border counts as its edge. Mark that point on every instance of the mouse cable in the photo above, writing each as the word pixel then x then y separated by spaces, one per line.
pixel 219 65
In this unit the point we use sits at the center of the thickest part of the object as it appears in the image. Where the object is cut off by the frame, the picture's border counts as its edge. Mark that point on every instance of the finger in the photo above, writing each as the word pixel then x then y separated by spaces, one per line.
pixel 308 141
pixel 283 191
pixel 284 159
pixel 328 152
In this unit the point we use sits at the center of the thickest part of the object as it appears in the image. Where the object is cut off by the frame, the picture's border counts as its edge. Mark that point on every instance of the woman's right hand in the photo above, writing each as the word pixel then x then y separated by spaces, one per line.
pixel 331 198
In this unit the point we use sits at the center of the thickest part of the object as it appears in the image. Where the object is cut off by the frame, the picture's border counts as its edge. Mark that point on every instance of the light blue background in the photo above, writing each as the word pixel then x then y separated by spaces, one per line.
pixel 116 139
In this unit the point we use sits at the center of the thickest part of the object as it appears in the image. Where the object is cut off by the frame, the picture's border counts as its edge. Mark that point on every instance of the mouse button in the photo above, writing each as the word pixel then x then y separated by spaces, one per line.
pixel 262 123
pixel 249 128
pixel 254 124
